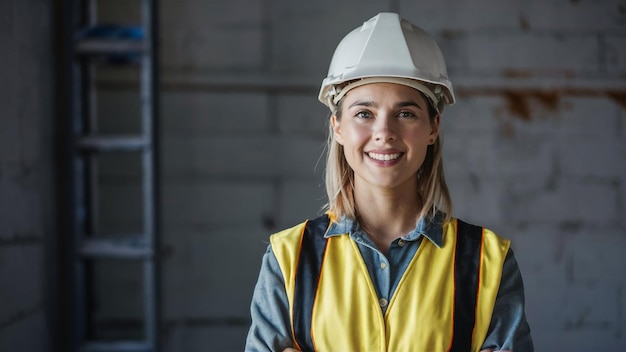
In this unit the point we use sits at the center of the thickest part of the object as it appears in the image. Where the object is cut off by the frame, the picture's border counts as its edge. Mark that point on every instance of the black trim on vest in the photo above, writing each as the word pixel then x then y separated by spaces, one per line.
pixel 307 277
pixel 467 268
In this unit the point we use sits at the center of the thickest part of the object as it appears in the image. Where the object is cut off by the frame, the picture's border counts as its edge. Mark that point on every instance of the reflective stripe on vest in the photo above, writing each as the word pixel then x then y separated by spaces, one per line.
pixel 312 251
pixel 466 276
pixel 459 323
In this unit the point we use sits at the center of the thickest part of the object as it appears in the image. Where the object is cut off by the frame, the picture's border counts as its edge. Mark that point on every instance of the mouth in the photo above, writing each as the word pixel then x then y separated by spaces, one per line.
pixel 384 156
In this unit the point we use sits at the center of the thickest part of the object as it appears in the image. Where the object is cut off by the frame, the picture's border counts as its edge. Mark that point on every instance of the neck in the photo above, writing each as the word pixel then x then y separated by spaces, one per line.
pixel 386 214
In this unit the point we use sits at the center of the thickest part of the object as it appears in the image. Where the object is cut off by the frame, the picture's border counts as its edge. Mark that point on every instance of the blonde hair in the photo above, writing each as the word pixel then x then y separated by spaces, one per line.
pixel 432 188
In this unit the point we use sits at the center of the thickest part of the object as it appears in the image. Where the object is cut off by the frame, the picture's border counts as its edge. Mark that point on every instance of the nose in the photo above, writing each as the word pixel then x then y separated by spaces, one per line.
pixel 384 129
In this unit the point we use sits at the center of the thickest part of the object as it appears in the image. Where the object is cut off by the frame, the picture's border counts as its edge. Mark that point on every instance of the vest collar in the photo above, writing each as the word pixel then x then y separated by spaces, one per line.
pixel 431 228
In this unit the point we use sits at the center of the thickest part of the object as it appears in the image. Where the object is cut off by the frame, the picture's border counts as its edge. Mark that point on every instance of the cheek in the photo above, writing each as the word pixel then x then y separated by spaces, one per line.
pixel 421 134
pixel 356 134
pixel 419 143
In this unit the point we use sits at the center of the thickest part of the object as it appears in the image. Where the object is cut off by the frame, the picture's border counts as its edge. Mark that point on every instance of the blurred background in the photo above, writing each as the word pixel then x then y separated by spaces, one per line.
pixel 149 148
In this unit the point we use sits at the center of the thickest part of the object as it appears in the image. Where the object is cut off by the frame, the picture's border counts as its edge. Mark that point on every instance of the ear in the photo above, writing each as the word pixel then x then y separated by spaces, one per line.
pixel 435 129
pixel 336 124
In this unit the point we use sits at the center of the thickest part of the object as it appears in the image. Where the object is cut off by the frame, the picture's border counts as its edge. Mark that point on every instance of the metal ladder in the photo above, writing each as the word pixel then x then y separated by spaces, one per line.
pixel 83 143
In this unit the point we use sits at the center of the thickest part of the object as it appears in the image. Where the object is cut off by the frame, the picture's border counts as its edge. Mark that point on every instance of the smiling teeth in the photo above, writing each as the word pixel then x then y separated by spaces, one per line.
pixel 384 157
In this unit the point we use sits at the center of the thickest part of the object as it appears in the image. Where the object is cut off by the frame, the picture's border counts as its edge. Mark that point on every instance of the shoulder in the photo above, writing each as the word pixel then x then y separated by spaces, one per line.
pixel 289 232
pixel 286 247
pixel 293 234
pixel 298 230
pixel 489 237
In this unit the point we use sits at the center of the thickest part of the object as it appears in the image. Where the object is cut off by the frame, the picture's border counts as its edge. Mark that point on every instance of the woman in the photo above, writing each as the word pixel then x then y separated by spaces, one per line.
pixel 387 268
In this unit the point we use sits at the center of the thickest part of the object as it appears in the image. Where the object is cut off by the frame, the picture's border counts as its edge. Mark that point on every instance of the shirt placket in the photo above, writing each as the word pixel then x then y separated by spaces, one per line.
pixel 378 267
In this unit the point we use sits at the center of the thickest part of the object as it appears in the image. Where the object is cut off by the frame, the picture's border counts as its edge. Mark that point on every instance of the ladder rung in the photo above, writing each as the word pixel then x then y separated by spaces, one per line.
pixel 129 247
pixel 110 46
pixel 118 143
pixel 111 346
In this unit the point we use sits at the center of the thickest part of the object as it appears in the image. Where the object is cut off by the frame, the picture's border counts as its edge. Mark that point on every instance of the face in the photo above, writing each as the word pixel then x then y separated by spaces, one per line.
pixel 385 130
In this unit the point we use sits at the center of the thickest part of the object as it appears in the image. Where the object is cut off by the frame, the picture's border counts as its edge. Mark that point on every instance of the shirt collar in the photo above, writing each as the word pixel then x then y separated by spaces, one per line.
pixel 431 228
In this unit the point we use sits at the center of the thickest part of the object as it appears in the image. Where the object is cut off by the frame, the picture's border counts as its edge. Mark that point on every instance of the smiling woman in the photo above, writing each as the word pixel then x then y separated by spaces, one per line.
pixel 387 267
pixel 380 120
pixel 384 133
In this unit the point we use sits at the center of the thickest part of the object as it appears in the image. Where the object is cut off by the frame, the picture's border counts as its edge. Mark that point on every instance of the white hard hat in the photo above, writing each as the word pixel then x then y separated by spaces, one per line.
pixel 388 48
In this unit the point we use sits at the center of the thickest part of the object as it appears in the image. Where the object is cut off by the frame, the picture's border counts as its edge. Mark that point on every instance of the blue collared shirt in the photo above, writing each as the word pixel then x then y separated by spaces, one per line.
pixel 271 329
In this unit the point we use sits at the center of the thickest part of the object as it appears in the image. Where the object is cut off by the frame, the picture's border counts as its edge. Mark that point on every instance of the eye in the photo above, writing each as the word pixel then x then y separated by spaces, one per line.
pixel 406 114
pixel 363 114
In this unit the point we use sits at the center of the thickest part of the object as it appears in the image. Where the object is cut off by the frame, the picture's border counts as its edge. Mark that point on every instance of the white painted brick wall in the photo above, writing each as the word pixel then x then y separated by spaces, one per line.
pixel 198 338
pixel 238 165
pixel 25 334
pixel 203 115
pixel 463 15
pixel 305 34
pixel 21 279
pixel 218 254
pixel 549 51
pixel 244 155
pixel 614 52
pixel 302 115
pixel 301 199
pixel 20 203
pixel 216 203
pixel 10 147
pixel 574 16
pixel 201 35
pixel 26 191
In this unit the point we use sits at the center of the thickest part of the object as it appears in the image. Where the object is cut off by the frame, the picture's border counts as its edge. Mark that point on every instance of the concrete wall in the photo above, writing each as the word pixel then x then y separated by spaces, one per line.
pixel 535 149
pixel 26 174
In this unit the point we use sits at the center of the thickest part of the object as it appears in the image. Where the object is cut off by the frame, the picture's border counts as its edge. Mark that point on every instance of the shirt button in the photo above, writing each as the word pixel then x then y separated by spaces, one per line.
pixel 383 302
pixel 401 242
pixel 383 265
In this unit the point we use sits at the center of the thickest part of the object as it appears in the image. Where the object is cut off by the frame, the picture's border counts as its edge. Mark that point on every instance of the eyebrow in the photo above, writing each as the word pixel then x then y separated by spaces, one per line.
pixel 400 104
pixel 403 104
pixel 364 103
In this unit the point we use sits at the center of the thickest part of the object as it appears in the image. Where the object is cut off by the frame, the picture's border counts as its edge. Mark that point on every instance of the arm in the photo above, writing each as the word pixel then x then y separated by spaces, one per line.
pixel 271 327
pixel 509 329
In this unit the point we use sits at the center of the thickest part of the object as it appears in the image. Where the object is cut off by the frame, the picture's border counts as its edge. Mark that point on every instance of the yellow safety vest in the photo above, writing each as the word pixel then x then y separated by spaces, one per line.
pixel 443 301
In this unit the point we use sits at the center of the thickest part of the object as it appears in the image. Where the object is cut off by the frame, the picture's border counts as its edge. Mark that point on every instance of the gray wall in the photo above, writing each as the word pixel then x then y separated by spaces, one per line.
pixel 26 174
pixel 535 149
